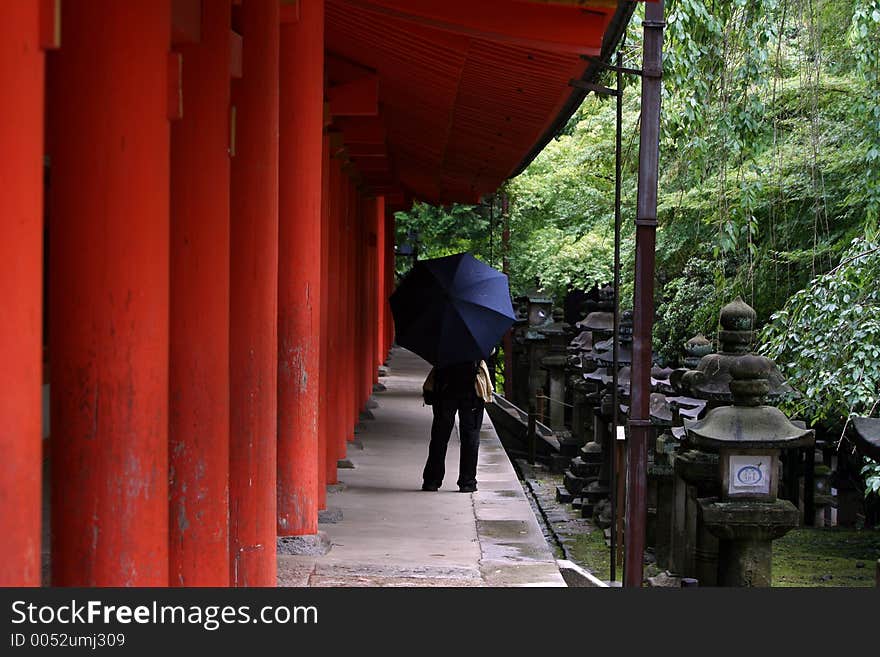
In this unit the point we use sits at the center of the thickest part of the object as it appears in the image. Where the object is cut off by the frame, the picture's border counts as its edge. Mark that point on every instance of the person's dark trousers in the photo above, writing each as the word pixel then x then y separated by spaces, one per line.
pixel 470 419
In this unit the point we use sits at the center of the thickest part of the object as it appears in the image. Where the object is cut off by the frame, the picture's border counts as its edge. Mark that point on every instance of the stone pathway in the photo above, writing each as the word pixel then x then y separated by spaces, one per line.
pixel 388 532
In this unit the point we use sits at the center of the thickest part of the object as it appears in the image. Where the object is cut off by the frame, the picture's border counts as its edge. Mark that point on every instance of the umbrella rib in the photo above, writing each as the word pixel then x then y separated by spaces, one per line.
pixel 486 309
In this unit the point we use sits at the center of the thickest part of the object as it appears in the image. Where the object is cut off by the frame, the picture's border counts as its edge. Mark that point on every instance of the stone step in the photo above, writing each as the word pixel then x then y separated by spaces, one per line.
pixel 559 463
pixel 589 456
pixel 573 483
pixel 595 492
pixel 563 496
pixel 582 469
pixel 569 448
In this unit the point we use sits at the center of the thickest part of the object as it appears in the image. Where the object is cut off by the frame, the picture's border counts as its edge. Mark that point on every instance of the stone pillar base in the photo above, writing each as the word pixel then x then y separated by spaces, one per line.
pixel 745 531
pixel 307 545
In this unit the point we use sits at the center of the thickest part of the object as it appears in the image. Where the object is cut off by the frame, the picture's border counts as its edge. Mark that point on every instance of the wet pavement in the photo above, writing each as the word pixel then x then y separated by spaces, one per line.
pixel 385 531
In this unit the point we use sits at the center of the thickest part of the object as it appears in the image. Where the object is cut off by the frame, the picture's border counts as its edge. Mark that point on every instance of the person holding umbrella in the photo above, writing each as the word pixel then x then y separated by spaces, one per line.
pixel 456 389
pixel 452 311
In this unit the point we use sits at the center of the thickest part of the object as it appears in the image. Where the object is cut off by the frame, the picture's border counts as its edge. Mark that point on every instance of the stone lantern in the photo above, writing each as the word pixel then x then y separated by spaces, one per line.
pixel 539 310
pixel 536 344
pixel 748 437
pixel 711 378
pixel 557 334
pixel 694 349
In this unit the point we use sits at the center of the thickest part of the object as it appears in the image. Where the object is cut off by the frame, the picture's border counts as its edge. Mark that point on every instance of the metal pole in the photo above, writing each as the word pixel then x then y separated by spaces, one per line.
pixel 492 232
pixel 643 306
pixel 616 337
pixel 505 267
pixel 530 438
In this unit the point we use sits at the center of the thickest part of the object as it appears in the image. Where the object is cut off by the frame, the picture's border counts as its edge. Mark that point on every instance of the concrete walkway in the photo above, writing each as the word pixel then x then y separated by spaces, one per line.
pixel 393 534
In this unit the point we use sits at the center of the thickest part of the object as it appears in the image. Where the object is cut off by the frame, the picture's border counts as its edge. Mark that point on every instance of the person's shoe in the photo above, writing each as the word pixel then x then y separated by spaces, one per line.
pixel 468 488
pixel 428 485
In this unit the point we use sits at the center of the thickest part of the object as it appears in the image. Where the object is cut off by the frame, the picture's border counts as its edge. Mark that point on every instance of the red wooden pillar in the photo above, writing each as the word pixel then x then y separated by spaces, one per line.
pixel 381 269
pixel 324 415
pixel 370 239
pixel 347 383
pixel 254 300
pixel 199 359
pixel 390 238
pixel 336 438
pixel 357 278
pixel 365 346
pixel 378 269
pixel 364 301
pixel 341 324
pixel 109 280
pixel 299 273
pixel 373 245
pixel 21 279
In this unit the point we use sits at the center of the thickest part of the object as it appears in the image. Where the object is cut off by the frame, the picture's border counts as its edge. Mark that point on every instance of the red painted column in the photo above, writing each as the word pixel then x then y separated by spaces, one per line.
pixel 372 307
pixel 357 298
pixel 299 271
pixel 363 302
pixel 390 262
pixel 324 415
pixel 198 429
pixel 381 269
pixel 21 280
pixel 331 312
pixel 254 301
pixel 372 321
pixel 344 318
pixel 109 280
pixel 369 237
pixel 364 346
pixel 351 295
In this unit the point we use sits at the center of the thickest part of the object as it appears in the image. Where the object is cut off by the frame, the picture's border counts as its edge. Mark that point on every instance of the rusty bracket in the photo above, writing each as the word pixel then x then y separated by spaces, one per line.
pixel 598 61
pixel 597 88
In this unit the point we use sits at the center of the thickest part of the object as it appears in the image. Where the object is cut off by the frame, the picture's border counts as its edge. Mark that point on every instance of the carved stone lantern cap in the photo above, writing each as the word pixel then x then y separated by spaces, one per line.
pixel 712 377
pixel 748 424
pixel 699 345
pixel 867 434
pixel 737 327
pixel 597 321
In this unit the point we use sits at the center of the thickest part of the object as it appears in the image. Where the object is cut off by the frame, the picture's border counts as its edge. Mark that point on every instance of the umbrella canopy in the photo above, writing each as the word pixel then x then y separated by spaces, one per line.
pixel 452 309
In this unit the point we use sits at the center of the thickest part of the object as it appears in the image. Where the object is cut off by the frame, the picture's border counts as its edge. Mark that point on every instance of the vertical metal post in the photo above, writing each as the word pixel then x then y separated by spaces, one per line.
pixel 505 267
pixel 809 467
pixel 492 232
pixel 616 338
pixel 643 306
pixel 530 438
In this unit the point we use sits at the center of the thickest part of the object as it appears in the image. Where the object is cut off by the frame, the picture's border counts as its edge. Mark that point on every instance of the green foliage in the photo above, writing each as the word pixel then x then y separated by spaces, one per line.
pixel 691 306
pixel 769 170
pixel 864 38
pixel 442 231
pixel 871 472
pixel 558 259
pixel 826 339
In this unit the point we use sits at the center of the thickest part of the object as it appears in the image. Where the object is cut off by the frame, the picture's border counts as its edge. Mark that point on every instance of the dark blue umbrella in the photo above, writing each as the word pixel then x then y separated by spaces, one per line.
pixel 452 309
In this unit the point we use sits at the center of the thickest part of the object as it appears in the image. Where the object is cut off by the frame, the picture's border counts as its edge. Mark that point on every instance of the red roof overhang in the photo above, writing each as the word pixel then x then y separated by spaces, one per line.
pixel 442 100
